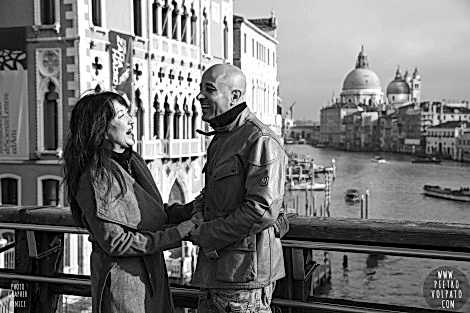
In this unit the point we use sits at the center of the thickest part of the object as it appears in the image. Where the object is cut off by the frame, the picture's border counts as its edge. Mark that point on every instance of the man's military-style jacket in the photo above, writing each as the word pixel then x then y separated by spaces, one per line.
pixel 245 176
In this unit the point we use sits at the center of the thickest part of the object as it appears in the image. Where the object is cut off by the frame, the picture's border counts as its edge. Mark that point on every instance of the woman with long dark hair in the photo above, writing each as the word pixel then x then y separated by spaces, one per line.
pixel 112 193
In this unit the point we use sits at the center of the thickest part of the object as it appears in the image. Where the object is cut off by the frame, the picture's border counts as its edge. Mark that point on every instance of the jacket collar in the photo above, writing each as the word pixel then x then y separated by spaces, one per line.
pixel 236 123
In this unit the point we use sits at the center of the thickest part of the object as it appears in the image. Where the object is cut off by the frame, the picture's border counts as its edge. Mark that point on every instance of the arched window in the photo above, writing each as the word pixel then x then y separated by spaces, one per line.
pixel 205 32
pixel 176 120
pixel 185 119
pixel 184 24
pixel 10 189
pixel 156 117
pixel 176 194
pixel 51 130
pixel 48 12
pixel 193 26
pixel 165 17
pixel 139 115
pixel 166 119
pixel 96 12
pixel 174 21
pixel 193 119
pixel 137 17
pixel 225 38
pixel 155 20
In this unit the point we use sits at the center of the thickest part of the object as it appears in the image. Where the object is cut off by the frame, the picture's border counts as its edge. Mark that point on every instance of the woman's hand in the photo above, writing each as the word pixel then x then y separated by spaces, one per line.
pixel 185 228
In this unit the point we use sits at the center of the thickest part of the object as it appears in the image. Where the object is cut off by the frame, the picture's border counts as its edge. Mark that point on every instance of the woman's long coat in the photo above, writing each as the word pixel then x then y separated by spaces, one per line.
pixel 128 272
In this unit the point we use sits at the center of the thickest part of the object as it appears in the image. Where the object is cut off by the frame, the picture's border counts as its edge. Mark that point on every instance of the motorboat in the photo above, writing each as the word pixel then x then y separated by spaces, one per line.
pixel 426 159
pixel 379 159
pixel 352 195
pixel 462 194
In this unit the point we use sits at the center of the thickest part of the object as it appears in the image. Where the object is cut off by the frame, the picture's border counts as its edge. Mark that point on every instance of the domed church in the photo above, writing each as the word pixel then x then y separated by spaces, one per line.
pixel 404 89
pixel 362 86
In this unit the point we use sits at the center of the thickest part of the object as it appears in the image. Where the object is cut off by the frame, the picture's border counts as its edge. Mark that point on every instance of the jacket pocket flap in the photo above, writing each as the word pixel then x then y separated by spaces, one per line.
pixel 228 168
pixel 246 244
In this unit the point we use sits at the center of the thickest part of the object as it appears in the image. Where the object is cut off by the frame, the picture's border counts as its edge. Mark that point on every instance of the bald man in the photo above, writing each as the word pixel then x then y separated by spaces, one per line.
pixel 241 254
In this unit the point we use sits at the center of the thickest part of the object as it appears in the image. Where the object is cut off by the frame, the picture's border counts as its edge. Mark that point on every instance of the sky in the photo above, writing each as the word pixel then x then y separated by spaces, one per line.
pixel 319 41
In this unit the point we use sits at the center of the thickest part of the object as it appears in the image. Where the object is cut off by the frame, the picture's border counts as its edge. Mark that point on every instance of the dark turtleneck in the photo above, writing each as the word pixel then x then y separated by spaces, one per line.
pixel 123 159
pixel 227 117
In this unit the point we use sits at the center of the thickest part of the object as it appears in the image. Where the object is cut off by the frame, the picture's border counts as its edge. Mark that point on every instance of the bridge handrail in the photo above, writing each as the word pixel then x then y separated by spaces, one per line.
pixel 407 238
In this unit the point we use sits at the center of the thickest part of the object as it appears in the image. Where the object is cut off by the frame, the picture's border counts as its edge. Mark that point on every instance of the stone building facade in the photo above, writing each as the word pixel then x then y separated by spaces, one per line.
pixel 255 53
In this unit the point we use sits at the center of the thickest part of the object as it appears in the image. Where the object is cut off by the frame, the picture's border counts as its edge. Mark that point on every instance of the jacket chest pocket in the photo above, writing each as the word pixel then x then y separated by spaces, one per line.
pixel 227 185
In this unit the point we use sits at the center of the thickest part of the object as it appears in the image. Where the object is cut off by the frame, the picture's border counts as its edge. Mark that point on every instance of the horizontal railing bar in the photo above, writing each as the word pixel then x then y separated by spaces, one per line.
pixel 190 292
pixel 408 252
pixel 45 228
pixel 389 250
pixel 45 279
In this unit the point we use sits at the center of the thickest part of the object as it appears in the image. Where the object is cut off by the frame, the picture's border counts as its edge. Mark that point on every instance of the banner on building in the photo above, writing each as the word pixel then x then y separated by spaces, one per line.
pixel 121 62
pixel 13 95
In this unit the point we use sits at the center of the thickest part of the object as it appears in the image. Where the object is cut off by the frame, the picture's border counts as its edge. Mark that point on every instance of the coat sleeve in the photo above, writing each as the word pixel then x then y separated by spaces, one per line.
pixel 264 185
pixel 178 213
pixel 119 240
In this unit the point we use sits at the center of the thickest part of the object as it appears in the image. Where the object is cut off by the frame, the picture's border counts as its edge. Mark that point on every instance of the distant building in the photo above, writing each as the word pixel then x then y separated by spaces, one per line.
pixel 255 53
pixel 332 129
pixel 463 145
pixel 410 136
pixel 305 130
pixel 436 112
pixel 446 140
pixel 361 131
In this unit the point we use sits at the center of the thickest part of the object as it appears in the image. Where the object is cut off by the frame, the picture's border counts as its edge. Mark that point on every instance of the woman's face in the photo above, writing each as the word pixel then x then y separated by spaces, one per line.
pixel 120 129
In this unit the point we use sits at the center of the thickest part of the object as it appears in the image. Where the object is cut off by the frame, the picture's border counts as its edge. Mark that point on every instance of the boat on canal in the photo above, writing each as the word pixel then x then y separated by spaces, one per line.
pixel 352 195
pixel 462 194
pixel 426 159
pixel 379 159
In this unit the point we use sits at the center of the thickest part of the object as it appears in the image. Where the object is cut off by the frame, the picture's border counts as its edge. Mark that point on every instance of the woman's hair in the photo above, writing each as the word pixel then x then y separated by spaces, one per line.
pixel 86 148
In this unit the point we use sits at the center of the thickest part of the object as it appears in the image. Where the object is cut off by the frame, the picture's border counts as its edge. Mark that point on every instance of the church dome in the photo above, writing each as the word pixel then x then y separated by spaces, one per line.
pixel 361 78
pixel 398 87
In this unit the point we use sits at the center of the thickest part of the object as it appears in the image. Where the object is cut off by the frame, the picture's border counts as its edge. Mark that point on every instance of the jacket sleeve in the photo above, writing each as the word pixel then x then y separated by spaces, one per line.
pixel 178 213
pixel 119 240
pixel 264 185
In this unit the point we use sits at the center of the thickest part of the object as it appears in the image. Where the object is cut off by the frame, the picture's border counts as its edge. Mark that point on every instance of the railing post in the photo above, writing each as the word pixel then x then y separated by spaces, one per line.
pixel 40 297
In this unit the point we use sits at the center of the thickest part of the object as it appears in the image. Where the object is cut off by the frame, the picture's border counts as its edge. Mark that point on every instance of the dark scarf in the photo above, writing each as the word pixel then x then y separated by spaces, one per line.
pixel 227 117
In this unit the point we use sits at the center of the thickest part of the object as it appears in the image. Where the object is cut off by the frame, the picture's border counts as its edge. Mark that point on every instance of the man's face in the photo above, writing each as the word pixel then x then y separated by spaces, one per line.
pixel 214 96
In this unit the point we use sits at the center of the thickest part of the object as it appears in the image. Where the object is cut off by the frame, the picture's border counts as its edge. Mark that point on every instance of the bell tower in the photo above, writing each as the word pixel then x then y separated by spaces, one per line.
pixel 416 87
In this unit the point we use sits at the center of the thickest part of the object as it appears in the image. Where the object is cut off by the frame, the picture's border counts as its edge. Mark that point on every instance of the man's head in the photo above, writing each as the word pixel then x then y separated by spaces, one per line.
pixel 222 87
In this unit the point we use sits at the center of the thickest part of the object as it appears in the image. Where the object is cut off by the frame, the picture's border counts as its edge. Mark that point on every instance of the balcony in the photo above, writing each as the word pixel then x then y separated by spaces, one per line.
pixel 151 149
pixel 171 148
pixel 37 262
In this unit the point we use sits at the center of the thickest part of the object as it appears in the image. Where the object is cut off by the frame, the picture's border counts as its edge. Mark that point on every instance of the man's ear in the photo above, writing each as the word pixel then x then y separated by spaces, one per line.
pixel 236 96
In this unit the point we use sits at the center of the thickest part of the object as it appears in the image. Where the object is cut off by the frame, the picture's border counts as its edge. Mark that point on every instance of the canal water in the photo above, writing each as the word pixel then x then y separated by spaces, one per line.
pixel 395 193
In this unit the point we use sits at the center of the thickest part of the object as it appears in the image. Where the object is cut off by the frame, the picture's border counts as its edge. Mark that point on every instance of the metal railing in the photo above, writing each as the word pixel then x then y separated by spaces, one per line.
pixel 401 238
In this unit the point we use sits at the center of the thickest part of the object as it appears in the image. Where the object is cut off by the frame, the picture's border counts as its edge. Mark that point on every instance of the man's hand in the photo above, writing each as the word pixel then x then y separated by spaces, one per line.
pixel 197 218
